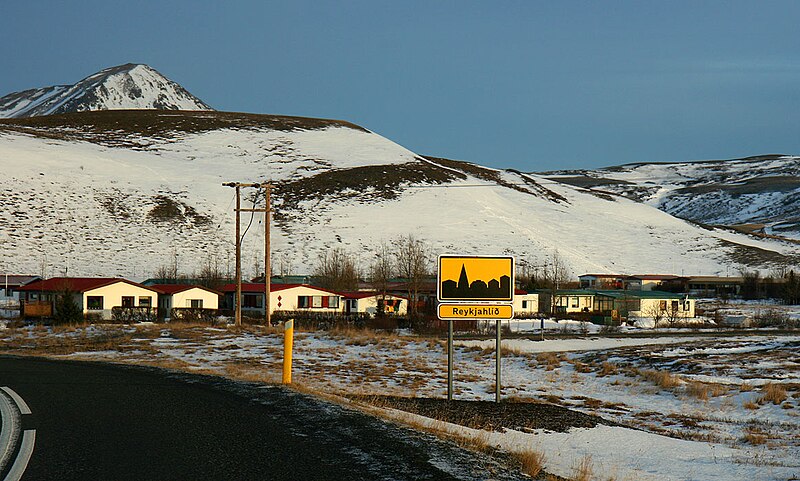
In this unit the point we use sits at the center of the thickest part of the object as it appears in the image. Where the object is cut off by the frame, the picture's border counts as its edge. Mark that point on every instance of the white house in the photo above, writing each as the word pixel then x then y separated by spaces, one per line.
pixel 367 302
pixel 186 296
pixel 526 304
pixel 99 297
pixel 284 297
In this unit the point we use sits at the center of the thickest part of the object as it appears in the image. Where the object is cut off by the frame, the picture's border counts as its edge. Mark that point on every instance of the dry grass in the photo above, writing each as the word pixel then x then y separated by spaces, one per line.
pixel 607 369
pixel 662 379
pixel 698 390
pixel 750 405
pixel 754 439
pixel 584 469
pixel 550 359
pixel 774 393
pixel 746 387
pixel 479 443
pixel 531 462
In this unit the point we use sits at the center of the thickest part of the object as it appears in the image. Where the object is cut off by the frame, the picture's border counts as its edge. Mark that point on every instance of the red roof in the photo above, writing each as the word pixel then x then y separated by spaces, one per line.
pixel 656 277
pixel 365 294
pixel 255 287
pixel 176 288
pixel 520 292
pixel 77 284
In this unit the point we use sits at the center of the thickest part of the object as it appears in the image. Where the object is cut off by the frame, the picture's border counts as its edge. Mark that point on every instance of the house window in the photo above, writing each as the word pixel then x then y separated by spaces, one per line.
pixel 662 305
pixel 94 303
pixel 251 301
pixel 575 302
pixel 303 302
pixel 144 301
pixel 333 302
pixel 675 306
pixel 128 301
pixel 316 301
pixel 195 303
pixel 524 304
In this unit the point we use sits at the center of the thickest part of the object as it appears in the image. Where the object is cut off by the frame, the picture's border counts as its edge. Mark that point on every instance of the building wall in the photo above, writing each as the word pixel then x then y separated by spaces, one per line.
pixel 183 299
pixel 369 305
pixel 112 297
pixel 531 302
pixel 565 303
pixel 284 300
pixel 686 308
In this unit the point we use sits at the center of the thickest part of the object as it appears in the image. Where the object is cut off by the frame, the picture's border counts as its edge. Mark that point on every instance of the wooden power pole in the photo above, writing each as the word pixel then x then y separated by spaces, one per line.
pixel 267 274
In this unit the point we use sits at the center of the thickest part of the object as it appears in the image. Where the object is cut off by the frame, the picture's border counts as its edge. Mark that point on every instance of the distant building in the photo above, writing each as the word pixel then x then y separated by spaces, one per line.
pixel 10 285
pixel 97 296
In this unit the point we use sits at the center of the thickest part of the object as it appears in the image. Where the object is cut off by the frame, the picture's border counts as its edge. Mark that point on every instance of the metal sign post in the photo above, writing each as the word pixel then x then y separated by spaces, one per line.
pixel 499 356
pixel 471 288
pixel 449 360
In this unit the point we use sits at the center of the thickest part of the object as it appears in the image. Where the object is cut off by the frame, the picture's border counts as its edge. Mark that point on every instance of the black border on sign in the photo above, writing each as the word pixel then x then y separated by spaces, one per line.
pixel 439 297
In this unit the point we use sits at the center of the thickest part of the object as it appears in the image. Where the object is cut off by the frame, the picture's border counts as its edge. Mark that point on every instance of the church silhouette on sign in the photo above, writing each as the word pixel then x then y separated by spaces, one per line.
pixel 477 289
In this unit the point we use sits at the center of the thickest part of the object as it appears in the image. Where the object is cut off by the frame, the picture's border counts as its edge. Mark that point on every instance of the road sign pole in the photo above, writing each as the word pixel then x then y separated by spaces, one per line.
pixel 499 357
pixel 449 360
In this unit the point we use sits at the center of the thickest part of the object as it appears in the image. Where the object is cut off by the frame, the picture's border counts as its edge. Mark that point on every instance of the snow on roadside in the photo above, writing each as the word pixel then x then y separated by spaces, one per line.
pixel 671 433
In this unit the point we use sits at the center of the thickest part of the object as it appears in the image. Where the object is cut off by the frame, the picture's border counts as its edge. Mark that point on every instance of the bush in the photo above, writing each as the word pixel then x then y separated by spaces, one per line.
pixel 67 311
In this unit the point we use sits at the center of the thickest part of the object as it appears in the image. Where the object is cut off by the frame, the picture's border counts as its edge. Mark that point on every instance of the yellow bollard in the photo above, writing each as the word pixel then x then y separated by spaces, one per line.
pixel 288 341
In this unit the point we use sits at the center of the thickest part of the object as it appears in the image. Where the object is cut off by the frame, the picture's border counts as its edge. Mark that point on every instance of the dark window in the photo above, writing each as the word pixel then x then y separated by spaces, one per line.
pixel 662 305
pixel 144 301
pixel 253 301
pixel 674 306
pixel 524 304
pixel 94 303
pixel 196 303
pixel 128 301
pixel 303 302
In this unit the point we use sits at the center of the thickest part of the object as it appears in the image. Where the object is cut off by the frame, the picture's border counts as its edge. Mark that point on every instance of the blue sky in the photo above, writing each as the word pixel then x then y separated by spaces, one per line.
pixel 530 85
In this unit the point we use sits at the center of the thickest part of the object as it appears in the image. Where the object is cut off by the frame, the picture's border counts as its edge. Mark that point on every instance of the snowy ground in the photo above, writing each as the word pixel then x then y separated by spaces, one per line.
pixel 694 407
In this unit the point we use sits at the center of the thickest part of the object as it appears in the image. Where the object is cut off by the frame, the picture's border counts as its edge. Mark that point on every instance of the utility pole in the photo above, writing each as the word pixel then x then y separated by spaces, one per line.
pixel 266 210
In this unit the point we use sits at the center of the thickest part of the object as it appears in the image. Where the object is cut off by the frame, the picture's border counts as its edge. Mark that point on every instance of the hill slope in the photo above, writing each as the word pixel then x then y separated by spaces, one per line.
pixel 129 86
pixel 124 192
pixel 762 192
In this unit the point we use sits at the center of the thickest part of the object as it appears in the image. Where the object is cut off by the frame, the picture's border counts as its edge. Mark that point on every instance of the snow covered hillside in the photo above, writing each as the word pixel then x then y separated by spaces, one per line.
pixel 125 192
pixel 763 190
pixel 129 86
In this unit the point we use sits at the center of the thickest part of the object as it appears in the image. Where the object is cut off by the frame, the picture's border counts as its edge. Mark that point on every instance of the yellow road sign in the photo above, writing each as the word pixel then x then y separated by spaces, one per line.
pixel 476 278
pixel 465 312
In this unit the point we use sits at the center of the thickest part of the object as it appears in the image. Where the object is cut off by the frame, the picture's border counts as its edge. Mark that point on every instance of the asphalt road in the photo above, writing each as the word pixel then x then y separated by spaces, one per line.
pixel 105 422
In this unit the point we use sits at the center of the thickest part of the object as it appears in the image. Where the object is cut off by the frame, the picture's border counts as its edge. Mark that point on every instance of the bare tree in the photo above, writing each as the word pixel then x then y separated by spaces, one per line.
pixel 258 262
pixel 751 283
pixel 555 275
pixel 337 270
pixel 284 267
pixel 380 272
pixel 654 311
pixel 211 274
pixel 673 313
pixel 413 263
pixel 168 273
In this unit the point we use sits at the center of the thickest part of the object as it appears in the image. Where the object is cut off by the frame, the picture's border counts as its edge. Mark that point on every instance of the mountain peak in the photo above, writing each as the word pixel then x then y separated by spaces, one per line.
pixel 127 86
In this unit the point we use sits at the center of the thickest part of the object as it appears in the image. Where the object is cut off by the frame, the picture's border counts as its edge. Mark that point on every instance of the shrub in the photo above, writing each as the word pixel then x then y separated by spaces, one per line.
pixel 774 393
pixel 532 462
pixel 662 378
